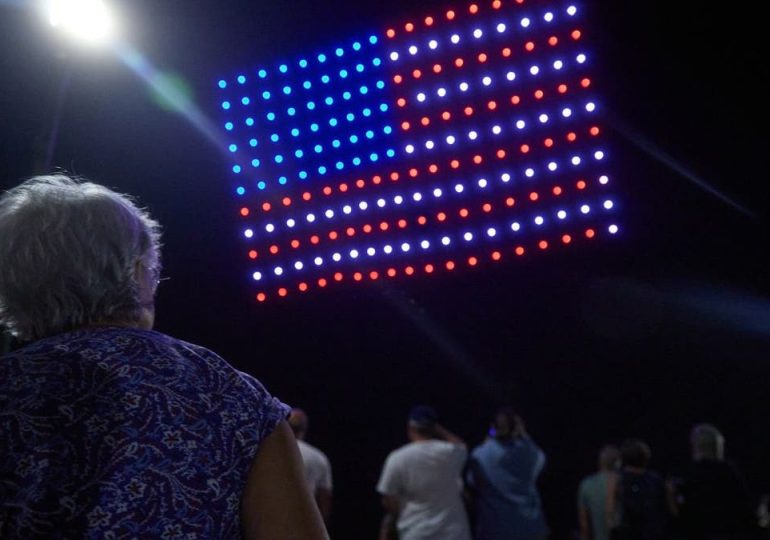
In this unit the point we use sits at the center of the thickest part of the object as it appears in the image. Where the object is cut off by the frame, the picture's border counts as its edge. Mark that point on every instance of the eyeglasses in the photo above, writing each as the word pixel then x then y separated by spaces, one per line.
pixel 156 276
pixel 159 280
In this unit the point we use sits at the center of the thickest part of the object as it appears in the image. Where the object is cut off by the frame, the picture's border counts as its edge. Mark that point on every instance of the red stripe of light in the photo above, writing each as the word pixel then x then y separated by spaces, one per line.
pixel 448 265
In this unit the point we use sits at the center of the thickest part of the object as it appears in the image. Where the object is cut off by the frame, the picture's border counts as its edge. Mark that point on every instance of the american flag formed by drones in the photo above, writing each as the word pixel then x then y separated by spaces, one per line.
pixel 457 140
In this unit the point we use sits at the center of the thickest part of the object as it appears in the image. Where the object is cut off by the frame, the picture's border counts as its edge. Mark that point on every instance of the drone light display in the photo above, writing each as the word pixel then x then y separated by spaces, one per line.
pixel 451 141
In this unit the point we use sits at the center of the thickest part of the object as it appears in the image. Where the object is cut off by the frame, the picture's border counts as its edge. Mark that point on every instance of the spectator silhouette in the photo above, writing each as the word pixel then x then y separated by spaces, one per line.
pixel 592 496
pixel 502 479
pixel 712 500
pixel 637 502
pixel 318 470
pixel 421 485
pixel 110 429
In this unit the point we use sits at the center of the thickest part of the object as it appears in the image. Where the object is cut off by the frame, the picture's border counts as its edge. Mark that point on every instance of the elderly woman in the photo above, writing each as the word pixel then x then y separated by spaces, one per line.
pixel 112 430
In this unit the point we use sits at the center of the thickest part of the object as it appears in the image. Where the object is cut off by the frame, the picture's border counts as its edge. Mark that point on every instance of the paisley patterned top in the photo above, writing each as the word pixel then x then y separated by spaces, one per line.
pixel 125 433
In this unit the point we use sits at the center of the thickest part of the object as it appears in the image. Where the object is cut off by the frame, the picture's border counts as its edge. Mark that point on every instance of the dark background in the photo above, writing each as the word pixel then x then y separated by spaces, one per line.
pixel 642 336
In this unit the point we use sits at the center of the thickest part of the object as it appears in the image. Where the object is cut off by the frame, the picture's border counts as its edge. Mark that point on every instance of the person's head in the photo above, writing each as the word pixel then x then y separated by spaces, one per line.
pixel 421 423
pixel 635 453
pixel 505 424
pixel 74 254
pixel 707 443
pixel 609 458
pixel 298 422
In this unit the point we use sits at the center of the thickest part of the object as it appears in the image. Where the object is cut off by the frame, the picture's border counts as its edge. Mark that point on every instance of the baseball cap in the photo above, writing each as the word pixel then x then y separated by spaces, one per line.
pixel 423 415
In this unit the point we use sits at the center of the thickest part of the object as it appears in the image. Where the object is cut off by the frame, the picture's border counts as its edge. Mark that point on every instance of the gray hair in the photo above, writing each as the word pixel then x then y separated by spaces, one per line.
pixel 707 442
pixel 68 256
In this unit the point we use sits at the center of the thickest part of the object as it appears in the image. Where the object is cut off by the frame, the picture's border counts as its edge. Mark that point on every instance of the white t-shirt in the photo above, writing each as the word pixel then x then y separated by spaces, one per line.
pixel 425 477
pixel 318 471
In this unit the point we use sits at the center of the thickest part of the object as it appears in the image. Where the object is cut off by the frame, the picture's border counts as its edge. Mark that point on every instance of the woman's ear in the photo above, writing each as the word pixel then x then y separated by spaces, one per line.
pixel 147 274
pixel 147 283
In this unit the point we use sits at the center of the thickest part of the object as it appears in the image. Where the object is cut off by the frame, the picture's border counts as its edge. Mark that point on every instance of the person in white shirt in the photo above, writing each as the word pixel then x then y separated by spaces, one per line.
pixel 421 484
pixel 318 470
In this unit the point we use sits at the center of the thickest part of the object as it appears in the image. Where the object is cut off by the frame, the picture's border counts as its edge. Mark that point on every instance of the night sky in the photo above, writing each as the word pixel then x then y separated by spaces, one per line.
pixel 641 335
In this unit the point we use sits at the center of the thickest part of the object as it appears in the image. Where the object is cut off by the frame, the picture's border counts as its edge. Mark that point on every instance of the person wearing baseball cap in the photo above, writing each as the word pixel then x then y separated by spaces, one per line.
pixel 421 484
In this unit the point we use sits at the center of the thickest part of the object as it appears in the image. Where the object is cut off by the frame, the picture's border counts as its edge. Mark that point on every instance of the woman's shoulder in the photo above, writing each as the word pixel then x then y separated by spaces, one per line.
pixel 120 350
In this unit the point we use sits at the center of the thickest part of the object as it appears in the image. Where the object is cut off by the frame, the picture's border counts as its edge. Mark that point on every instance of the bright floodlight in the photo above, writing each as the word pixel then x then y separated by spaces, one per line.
pixel 86 20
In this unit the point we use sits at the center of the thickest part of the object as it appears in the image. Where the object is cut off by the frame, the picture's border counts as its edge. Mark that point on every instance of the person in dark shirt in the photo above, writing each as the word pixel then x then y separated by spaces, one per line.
pixel 637 506
pixel 712 500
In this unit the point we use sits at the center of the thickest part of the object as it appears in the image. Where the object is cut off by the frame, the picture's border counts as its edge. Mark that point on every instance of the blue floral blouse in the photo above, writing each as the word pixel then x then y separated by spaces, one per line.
pixel 124 433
